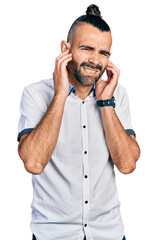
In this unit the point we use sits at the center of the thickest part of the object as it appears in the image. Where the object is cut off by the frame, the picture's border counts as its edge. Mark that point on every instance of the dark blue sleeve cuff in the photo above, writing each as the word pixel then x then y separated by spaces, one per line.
pixel 130 132
pixel 25 131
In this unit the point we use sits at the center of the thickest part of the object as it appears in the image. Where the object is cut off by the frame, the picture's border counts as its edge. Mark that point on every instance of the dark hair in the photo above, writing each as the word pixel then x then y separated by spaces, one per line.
pixel 93 17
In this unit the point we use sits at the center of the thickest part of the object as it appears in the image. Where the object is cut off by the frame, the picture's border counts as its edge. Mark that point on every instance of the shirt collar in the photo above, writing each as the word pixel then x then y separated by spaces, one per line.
pixel 73 90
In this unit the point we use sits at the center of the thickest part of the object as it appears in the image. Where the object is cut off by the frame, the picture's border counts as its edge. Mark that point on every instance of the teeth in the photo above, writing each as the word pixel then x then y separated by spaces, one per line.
pixel 90 71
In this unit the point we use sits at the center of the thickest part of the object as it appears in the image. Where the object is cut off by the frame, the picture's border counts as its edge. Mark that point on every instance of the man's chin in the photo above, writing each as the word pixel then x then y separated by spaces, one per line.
pixel 88 82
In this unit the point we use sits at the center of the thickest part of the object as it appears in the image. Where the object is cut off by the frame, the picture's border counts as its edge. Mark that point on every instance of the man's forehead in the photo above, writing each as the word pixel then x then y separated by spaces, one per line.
pixel 86 33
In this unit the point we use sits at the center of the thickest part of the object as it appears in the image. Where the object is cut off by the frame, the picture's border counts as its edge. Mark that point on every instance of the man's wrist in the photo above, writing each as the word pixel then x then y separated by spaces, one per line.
pixel 104 98
pixel 60 97
pixel 106 102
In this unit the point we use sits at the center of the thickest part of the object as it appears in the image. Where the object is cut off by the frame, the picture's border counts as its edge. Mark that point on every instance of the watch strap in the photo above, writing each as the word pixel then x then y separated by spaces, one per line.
pixel 107 102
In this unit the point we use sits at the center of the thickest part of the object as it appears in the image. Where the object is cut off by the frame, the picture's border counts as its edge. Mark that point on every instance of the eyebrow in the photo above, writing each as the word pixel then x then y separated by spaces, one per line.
pixel 91 48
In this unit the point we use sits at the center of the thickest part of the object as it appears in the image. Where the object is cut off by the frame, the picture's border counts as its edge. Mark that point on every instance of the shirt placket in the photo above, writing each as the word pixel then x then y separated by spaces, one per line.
pixel 84 124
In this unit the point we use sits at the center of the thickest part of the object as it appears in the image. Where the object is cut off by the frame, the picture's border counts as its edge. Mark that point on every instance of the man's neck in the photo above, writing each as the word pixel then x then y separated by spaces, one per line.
pixel 81 91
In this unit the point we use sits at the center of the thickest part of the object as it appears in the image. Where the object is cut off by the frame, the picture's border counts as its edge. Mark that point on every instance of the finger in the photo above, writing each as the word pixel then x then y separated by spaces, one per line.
pixel 62 66
pixel 114 72
pixel 60 60
pixel 64 57
pixel 109 74
pixel 110 64
pixel 62 54
pixel 64 62
pixel 111 70
pixel 115 69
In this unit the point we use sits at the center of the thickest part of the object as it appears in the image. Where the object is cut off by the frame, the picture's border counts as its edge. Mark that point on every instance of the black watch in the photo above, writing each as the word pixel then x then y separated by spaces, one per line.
pixel 107 102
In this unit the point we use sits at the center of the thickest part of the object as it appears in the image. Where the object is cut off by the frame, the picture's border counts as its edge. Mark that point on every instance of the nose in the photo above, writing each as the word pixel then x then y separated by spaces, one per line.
pixel 93 58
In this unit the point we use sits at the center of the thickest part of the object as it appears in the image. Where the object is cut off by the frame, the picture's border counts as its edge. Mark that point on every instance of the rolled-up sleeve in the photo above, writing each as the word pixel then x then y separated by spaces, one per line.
pixel 123 111
pixel 30 111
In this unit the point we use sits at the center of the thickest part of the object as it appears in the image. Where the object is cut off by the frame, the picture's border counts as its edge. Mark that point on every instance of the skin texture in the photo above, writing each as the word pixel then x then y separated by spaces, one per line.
pixel 36 148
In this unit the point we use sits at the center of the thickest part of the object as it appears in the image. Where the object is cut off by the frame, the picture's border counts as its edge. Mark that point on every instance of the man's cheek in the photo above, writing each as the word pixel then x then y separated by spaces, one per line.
pixel 72 65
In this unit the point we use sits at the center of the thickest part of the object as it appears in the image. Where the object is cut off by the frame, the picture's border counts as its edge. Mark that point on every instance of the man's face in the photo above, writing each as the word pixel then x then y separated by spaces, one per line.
pixel 90 54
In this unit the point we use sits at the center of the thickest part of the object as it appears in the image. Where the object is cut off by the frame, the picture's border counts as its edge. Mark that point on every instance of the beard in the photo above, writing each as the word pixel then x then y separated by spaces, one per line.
pixel 87 80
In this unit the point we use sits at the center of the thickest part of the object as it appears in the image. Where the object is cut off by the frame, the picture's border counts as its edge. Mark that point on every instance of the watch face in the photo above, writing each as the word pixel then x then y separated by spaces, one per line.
pixel 109 102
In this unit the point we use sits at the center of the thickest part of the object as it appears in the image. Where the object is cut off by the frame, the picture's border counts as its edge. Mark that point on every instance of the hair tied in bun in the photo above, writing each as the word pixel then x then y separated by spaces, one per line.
pixel 93 10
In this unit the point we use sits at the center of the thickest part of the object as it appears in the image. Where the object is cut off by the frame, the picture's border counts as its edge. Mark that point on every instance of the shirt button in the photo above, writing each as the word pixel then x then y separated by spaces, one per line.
pixel 84 126
pixel 86 201
pixel 85 152
pixel 85 225
pixel 83 102
pixel 86 176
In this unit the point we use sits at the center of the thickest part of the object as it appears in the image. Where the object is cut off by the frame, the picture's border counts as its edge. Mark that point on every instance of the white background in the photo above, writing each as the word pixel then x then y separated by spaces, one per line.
pixel 31 32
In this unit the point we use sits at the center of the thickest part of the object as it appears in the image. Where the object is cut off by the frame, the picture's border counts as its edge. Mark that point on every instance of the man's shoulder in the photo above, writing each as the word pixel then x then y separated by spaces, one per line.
pixel 120 91
pixel 120 95
pixel 41 86
pixel 41 92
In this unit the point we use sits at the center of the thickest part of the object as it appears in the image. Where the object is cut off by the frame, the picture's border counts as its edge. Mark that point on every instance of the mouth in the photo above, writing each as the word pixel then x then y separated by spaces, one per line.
pixel 90 70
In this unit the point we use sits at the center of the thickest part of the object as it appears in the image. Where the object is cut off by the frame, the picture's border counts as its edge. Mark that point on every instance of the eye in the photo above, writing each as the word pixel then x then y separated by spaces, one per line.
pixel 85 48
pixel 105 54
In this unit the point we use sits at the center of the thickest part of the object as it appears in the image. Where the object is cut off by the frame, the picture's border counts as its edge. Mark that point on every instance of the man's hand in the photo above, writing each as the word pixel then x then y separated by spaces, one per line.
pixel 104 90
pixel 60 74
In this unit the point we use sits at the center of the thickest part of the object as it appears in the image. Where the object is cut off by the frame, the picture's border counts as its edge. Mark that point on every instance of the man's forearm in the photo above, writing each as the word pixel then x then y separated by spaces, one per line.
pixel 36 149
pixel 124 150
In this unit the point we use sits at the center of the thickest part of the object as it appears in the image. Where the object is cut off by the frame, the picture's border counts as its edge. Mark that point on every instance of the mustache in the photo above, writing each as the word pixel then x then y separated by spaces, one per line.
pixel 84 64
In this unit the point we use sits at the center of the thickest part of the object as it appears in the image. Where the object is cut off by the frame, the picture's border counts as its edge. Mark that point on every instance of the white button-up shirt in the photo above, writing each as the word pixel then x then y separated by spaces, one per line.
pixel 76 194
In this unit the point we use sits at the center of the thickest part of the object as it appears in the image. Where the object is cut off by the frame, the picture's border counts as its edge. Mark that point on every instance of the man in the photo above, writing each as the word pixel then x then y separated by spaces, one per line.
pixel 71 134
